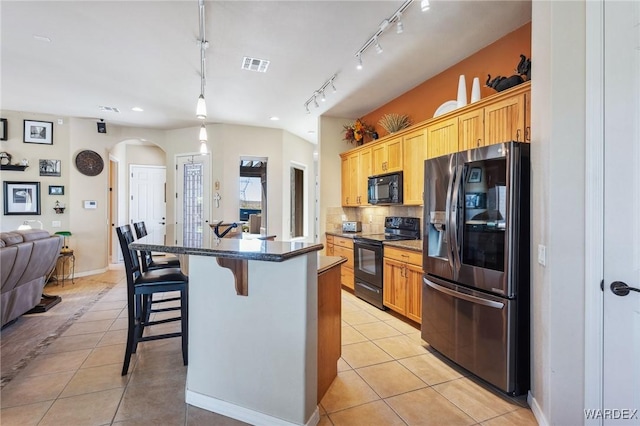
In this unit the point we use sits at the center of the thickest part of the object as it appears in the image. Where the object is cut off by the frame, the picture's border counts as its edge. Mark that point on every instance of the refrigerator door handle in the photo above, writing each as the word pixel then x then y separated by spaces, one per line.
pixel 447 219
pixel 454 243
pixel 467 297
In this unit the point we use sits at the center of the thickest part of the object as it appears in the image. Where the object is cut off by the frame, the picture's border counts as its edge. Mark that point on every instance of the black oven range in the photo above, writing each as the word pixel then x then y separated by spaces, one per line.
pixel 368 253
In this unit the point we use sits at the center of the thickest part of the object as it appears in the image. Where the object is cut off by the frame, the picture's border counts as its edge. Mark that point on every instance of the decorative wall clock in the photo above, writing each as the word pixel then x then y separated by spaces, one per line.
pixel 89 163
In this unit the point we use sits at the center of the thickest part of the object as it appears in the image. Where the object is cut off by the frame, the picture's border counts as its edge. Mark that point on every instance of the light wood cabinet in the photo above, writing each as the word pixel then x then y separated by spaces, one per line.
pixel 329 245
pixel 471 129
pixel 502 117
pixel 402 282
pixel 344 247
pixel 356 168
pixel 504 120
pixel 414 151
pixel 386 157
pixel 442 137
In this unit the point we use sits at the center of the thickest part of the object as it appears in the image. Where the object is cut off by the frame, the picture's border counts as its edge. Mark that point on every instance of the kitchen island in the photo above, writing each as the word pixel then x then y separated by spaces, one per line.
pixel 253 327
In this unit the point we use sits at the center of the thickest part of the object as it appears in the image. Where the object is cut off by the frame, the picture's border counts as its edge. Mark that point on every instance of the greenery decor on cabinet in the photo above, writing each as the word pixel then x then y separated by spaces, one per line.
pixel 394 122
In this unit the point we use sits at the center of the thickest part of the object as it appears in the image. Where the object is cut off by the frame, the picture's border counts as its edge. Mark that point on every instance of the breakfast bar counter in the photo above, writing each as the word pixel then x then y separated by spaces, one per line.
pixel 253 327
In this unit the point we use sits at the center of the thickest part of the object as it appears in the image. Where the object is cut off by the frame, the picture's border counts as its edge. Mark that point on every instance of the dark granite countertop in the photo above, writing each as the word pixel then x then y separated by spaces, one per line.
pixel 327 262
pixel 414 245
pixel 344 234
pixel 232 248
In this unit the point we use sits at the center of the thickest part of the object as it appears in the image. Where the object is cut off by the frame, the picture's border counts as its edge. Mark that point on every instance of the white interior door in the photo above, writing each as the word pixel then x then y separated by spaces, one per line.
pixel 147 199
pixel 193 191
pixel 621 327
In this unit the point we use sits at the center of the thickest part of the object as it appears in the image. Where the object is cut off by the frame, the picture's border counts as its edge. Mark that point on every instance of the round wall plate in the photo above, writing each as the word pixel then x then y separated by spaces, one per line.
pixel 89 163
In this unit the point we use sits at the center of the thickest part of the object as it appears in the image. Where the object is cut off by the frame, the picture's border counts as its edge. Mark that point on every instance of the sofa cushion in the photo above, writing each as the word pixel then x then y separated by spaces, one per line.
pixel 33 234
pixel 11 238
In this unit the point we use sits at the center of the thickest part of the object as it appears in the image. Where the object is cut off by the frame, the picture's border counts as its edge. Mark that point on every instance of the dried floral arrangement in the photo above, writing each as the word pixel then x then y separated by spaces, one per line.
pixel 356 131
pixel 394 122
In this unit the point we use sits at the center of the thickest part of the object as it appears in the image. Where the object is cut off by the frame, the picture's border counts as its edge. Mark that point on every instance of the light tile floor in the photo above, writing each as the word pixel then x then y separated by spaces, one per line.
pixel 387 374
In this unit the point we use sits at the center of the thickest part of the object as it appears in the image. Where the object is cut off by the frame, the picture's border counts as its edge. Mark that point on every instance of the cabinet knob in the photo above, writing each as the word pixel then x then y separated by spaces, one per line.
pixel 478 143
pixel 518 134
pixel 527 134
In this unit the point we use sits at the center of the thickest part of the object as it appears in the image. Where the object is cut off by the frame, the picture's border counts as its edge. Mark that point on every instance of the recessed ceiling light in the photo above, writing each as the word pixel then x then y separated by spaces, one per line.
pixel 137 109
pixel 42 38
pixel 274 118
pixel 311 131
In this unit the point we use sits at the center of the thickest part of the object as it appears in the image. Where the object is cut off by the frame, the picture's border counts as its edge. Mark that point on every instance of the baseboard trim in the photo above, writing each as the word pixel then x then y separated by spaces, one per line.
pixel 87 273
pixel 241 413
pixel 536 410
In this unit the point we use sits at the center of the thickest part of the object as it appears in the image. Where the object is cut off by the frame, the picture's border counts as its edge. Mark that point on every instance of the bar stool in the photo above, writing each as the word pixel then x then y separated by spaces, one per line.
pixel 148 262
pixel 141 286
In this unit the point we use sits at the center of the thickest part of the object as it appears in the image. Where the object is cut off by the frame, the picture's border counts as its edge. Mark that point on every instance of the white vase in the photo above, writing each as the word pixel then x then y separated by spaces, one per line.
pixel 475 90
pixel 462 92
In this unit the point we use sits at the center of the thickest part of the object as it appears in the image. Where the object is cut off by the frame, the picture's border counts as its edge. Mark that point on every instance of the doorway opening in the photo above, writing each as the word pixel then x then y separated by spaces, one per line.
pixel 253 191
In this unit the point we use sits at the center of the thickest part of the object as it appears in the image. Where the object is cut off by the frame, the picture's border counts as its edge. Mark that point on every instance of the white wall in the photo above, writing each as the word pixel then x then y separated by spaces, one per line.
pixel 330 146
pixel 558 205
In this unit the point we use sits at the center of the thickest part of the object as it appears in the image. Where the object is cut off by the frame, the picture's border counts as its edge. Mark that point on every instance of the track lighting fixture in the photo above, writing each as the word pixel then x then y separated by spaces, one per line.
pixel 373 40
pixel 424 5
pixel 321 93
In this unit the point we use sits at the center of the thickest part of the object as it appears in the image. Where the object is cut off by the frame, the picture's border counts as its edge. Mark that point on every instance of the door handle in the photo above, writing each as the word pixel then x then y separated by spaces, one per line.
pixel 622 289
pixel 162 223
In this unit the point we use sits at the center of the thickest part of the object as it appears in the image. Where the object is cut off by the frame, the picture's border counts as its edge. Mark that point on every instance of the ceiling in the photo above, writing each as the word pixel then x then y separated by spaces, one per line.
pixel 144 53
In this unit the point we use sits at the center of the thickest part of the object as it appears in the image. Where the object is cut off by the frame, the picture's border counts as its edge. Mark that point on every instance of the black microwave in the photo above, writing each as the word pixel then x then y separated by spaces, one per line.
pixel 385 189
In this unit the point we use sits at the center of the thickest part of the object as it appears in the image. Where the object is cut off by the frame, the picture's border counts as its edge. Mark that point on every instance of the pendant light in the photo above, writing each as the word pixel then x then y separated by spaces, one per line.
pixel 203 139
pixel 201 106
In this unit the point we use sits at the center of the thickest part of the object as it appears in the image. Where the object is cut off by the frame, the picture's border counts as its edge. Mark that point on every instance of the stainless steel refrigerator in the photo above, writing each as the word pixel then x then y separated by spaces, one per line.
pixel 475 299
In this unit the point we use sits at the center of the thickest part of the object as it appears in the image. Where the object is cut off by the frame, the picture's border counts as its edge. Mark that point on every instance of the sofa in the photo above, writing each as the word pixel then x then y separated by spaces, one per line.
pixel 26 259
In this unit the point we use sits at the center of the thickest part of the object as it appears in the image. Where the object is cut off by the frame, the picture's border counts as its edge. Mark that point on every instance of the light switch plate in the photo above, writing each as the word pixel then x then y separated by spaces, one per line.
pixel 56 224
pixel 542 254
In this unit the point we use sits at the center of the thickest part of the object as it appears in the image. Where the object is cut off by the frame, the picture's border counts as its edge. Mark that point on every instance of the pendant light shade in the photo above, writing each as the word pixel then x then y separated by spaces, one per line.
pixel 201 108
pixel 203 134
pixel 203 148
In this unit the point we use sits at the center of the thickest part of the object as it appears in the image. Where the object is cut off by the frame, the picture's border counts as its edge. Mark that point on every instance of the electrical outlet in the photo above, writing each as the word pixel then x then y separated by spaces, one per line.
pixel 542 254
pixel 370 218
pixel 56 224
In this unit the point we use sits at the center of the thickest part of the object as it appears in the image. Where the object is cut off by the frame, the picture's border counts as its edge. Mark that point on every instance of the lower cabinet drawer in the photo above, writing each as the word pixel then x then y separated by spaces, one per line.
pixel 344 252
pixel 401 255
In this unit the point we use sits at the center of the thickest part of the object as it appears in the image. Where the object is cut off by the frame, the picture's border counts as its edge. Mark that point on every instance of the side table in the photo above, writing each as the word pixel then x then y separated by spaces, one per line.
pixel 65 266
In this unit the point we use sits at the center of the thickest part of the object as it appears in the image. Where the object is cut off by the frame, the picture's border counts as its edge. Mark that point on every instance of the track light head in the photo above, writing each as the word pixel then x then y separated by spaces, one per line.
pixel 322 97
pixel 333 87
pixel 359 66
pixel 315 101
pixel 378 47
pixel 424 5
pixel 399 25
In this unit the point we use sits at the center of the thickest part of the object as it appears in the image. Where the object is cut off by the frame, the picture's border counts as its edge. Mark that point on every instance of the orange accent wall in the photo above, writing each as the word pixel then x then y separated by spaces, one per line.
pixel 499 58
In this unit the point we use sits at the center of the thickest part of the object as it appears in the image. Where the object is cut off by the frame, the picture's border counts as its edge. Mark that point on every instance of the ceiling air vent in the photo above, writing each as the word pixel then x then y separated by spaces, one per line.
pixel 108 109
pixel 254 64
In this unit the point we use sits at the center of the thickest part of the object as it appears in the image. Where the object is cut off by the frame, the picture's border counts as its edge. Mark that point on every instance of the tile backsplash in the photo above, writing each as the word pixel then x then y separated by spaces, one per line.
pixel 372 218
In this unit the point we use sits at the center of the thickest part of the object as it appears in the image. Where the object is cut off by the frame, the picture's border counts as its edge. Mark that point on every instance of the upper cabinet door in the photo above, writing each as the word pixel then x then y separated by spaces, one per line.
pixel 471 129
pixel 387 157
pixel 442 137
pixel 504 120
pixel 414 151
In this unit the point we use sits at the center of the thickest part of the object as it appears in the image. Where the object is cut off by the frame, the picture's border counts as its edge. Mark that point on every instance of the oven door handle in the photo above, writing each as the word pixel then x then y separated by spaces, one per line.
pixel 368 287
pixel 366 244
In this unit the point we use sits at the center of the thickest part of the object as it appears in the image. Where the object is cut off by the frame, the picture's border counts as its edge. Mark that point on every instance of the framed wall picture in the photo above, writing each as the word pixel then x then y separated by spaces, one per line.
pixel 38 132
pixel 21 198
pixel 475 175
pixel 49 167
pixel 3 129
pixel 56 190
